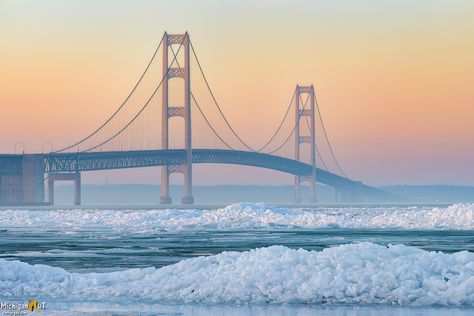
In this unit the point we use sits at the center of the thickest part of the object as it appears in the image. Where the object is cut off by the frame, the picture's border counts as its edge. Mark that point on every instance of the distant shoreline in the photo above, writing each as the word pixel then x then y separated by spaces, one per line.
pixel 202 206
pixel 149 194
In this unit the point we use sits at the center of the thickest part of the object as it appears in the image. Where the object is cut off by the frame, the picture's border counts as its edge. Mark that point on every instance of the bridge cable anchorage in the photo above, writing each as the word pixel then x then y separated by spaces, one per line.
pixel 201 111
pixel 144 106
pixel 327 139
pixel 225 118
pixel 119 108
pixel 292 131
pixel 309 128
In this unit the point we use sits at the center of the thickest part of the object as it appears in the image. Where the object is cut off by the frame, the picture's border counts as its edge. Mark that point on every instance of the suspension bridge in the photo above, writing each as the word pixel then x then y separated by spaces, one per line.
pixel 142 133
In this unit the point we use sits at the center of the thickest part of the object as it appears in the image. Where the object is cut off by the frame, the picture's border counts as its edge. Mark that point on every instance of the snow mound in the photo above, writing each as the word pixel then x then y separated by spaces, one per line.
pixel 242 216
pixel 363 273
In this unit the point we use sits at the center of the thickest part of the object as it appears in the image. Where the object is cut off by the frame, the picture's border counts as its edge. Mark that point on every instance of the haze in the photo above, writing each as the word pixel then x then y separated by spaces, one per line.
pixel 394 79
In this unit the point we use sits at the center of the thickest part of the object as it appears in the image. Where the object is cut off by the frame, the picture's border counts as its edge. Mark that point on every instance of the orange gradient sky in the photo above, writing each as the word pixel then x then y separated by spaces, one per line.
pixel 394 79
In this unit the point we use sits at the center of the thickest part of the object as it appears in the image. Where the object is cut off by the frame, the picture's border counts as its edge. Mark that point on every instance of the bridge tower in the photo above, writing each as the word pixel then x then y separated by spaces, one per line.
pixel 304 113
pixel 183 111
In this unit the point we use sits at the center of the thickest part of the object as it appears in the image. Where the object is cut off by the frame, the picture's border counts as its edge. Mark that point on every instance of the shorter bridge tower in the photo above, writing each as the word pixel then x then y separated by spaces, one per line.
pixel 183 111
pixel 303 113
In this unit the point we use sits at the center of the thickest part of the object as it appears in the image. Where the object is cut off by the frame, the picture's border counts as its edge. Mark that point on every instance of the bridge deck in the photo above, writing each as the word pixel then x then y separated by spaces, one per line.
pixel 71 162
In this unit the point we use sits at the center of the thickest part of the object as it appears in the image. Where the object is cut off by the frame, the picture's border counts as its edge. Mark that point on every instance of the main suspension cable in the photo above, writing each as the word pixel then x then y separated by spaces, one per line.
pixel 217 104
pixel 225 118
pixel 199 107
pixel 292 132
pixel 209 123
pixel 316 146
pixel 120 107
pixel 144 106
pixel 281 123
pixel 327 139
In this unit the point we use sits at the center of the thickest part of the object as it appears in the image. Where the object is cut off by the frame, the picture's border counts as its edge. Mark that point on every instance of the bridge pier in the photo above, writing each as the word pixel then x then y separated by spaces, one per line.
pixel 312 188
pixel 77 189
pixel 165 186
pixel 32 182
pixel 76 177
pixel 312 198
pixel 340 196
pixel 187 194
pixel 50 187
pixel 297 189
pixel 21 179
pixel 353 193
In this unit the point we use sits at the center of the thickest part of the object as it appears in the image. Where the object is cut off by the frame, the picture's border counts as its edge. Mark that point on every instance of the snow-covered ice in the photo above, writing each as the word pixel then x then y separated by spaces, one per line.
pixel 363 273
pixel 243 216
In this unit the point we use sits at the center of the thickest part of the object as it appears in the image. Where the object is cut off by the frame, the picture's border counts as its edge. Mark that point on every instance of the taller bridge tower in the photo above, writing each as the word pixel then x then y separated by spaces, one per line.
pixel 179 110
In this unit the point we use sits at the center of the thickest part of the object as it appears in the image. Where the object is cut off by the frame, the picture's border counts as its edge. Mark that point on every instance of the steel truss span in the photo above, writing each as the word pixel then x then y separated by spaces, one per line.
pixel 91 161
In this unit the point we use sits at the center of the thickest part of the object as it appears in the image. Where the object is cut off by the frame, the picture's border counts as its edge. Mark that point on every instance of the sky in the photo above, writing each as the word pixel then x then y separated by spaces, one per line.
pixel 394 79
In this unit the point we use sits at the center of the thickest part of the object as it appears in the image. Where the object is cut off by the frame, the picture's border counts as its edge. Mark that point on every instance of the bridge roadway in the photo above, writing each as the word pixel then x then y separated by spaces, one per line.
pixel 90 161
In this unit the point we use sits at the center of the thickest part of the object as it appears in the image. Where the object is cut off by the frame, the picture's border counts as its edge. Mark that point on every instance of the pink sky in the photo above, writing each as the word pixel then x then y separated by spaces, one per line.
pixel 394 79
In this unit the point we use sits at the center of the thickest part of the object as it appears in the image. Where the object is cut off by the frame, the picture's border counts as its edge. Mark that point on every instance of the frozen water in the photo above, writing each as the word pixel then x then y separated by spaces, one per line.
pixel 242 216
pixel 363 273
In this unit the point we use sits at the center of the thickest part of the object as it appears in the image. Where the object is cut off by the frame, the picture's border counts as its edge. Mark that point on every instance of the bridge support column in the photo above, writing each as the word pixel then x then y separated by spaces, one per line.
pixel 188 167
pixel 184 111
pixel 165 186
pixel 312 185
pixel 76 177
pixel 77 189
pixel 310 139
pixel 165 177
pixel 50 189
pixel 352 192
pixel 355 193
pixel 297 189
pixel 342 195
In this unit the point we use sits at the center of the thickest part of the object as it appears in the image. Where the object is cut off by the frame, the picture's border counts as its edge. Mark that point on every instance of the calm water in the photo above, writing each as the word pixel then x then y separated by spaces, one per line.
pixel 99 249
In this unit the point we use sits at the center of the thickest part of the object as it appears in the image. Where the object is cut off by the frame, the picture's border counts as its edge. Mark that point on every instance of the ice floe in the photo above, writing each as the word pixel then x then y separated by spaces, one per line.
pixel 243 216
pixel 363 273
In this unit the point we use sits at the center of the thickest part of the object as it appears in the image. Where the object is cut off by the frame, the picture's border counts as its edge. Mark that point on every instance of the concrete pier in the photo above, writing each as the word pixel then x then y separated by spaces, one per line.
pixel 22 180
